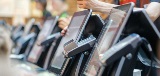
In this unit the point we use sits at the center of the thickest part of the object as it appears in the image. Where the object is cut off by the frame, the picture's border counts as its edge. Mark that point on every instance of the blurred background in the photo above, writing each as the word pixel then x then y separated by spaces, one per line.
pixel 17 12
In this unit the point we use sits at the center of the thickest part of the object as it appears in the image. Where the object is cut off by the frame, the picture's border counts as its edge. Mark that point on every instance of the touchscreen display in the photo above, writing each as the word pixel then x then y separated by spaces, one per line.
pixel 106 41
pixel 72 33
pixel 35 52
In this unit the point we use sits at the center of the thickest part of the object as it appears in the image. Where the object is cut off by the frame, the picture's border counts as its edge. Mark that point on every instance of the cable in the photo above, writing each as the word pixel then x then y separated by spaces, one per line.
pixel 148 47
pixel 150 51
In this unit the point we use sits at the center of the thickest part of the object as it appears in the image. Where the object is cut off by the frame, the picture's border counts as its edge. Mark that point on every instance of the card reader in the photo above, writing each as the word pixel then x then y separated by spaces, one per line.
pixel 74 48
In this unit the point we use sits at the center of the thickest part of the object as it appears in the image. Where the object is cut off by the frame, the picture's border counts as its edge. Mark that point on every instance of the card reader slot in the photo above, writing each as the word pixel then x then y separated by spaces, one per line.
pixel 74 48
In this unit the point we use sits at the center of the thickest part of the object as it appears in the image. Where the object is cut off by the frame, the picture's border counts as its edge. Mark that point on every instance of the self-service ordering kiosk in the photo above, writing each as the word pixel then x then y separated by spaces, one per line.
pixel 21 38
pixel 77 31
pixel 69 61
pixel 38 52
pixel 141 24
pixel 110 35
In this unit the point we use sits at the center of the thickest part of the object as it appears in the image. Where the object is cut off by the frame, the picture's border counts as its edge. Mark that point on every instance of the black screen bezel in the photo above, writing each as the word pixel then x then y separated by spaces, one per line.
pixel 131 6
pixel 88 14
pixel 54 21
pixel 146 28
pixel 157 23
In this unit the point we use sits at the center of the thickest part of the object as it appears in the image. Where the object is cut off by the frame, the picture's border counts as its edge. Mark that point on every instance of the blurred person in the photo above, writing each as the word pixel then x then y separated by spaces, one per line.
pixel 64 22
pixel 153 10
pixel 103 7
pixel 5 64
pixel 41 5
pixel 63 32
pixel 60 6
pixel 4 51
pixel 5 47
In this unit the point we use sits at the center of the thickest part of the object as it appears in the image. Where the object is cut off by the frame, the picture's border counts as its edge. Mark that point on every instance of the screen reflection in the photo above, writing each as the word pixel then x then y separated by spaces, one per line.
pixel 106 40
